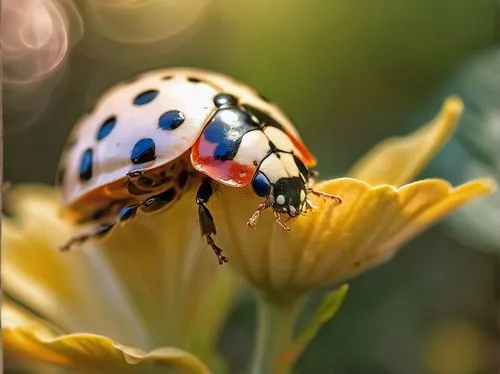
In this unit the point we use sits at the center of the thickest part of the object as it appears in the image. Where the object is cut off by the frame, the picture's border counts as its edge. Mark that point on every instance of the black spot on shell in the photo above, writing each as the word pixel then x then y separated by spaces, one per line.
pixel 224 99
pixel 86 161
pixel 166 77
pixel 194 80
pixel 145 97
pixel 143 151
pixel 171 120
pixel 106 128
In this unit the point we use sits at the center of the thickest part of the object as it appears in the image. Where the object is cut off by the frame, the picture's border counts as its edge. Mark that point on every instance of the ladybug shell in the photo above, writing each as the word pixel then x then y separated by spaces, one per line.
pixel 146 123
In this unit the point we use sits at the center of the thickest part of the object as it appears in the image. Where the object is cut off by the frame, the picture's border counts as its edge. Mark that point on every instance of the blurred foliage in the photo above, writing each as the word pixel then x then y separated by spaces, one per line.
pixel 349 73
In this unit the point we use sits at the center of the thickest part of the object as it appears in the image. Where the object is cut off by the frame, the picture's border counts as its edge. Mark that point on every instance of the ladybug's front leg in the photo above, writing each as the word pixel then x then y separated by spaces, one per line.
pixel 252 222
pixel 312 180
pixel 325 195
pixel 206 220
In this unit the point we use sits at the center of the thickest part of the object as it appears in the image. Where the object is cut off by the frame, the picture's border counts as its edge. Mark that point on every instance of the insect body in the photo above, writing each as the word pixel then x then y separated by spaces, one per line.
pixel 148 141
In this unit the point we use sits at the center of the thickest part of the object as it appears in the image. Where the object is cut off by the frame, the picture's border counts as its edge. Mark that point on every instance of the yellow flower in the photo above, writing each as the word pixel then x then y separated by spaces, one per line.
pixel 379 213
pixel 154 284
pixel 119 306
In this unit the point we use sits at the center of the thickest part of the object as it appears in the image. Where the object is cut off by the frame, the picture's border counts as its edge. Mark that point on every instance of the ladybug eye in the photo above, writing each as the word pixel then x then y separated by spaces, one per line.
pixel 261 185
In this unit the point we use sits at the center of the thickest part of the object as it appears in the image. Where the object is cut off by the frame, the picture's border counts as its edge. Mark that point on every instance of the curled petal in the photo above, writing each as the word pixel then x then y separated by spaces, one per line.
pixel 397 160
pixel 336 241
pixel 32 339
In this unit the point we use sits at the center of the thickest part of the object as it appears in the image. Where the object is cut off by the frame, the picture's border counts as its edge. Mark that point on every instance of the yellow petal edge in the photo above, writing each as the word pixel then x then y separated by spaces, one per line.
pixel 397 160
pixel 27 337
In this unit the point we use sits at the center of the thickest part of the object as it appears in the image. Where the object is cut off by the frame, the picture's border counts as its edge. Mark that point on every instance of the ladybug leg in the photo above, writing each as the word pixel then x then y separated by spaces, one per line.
pixel 309 206
pixel 252 222
pixel 159 201
pixel 206 220
pixel 125 213
pixel 280 222
pixel 139 183
pixel 101 231
pixel 325 195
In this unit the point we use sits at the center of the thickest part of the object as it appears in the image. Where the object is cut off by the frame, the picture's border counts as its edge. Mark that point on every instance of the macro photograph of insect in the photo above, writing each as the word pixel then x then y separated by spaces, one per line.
pixel 267 187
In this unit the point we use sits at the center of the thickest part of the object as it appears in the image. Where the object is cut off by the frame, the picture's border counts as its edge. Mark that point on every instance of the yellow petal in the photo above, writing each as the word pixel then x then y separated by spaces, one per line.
pixel 167 268
pixel 420 205
pixel 397 160
pixel 336 241
pixel 74 289
pixel 29 338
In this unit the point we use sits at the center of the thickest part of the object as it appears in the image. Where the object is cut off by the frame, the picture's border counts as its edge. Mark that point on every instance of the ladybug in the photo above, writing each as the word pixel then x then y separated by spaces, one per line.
pixel 149 139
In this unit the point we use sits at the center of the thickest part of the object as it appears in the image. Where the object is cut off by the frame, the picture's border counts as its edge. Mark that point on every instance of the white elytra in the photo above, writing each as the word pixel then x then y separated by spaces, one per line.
pixel 111 155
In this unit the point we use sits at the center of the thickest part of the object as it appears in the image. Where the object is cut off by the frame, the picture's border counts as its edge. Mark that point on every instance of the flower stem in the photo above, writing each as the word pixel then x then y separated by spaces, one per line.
pixel 275 325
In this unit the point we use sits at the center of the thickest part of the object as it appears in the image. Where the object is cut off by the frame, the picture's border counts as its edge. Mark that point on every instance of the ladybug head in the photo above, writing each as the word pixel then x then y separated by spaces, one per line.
pixel 288 195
